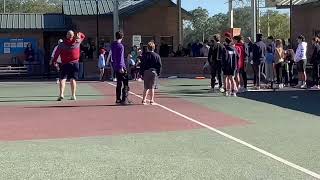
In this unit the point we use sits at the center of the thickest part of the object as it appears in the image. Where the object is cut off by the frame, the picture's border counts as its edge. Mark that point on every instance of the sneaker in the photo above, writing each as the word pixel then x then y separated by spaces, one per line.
pixel 144 103
pixel 58 81
pixel 233 94
pixel 118 101
pixel 227 94
pixel 315 87
pixel 281 86
pixel 73 98
pixel 304 86
pixel 299 85
pixel 114 79
pixel 139 79
pixel 152 103
pixel 60 98
pixel 222 90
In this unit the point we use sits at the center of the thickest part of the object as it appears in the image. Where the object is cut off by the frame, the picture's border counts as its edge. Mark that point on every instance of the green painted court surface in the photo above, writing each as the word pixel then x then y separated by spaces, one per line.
pixel 285 124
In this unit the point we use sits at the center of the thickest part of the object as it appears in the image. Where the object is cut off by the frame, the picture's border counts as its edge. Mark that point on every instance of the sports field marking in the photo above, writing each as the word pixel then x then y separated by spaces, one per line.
pixel 266 153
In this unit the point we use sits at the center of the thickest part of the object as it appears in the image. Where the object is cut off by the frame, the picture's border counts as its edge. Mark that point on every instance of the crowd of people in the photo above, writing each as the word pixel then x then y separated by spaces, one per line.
pixel 271 58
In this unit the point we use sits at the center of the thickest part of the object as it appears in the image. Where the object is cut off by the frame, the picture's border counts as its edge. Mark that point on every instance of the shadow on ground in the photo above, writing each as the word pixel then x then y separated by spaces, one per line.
pixel 303 101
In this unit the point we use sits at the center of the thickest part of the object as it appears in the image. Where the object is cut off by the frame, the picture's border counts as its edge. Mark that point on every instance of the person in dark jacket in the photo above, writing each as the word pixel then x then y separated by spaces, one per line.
pixel 259 50
pixel 214 59
pixel 230 59
pixel 150 69
pixel 315 61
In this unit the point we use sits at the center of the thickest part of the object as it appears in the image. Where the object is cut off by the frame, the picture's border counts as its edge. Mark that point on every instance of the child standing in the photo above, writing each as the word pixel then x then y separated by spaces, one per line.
pixel 101 63
pixel 230 65
pixel 243 57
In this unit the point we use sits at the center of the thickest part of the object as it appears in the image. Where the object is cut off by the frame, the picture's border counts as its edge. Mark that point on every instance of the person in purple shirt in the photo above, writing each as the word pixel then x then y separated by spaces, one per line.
pixel 119 66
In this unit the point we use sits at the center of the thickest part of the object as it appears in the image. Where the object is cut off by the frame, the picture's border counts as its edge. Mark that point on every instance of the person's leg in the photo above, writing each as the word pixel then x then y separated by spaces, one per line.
pixel 101 74
pixel 278 73
pixel 125 89
pixel 255 74
pixel 119 86
pixel 62 88
pixel 151 96
pixel 245 79
pixel 213 69
pixel 219 71
pixel 145 93
pixel 290 73
pixel 73 84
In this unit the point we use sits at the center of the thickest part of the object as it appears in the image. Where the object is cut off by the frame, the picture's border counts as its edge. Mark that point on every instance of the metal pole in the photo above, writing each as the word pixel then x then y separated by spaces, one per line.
pixel 254 20
pixel 231 13
pixel 115 18
pixel 291 8
pixel 268 23
pixel 180 22
pixel 97 22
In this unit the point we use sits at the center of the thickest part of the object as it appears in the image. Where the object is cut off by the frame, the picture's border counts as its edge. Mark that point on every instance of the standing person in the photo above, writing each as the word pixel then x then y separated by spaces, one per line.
pixel 289 58
pixel 242 50
pixel 102 63
pixel 301 61
pixel 315 61
pixel 69 50
pixel 150 69
pixel 215 62
pixel 259 50
pixel 119 66
pixel 204 51
pixel 230 65
pixel 29 57
pixel 278 61
pixel 58 60
pixel 269 64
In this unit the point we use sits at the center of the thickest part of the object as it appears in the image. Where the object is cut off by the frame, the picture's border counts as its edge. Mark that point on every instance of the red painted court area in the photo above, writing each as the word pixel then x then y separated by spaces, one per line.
pixel 103 117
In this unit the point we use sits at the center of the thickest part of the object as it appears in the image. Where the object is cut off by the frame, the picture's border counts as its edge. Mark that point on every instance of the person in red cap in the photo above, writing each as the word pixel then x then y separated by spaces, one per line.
pixel 69 51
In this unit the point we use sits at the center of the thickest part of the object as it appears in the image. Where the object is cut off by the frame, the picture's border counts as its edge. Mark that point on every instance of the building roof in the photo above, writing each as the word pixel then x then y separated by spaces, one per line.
pixel 286 3
pixel 89 7
pixel 27 21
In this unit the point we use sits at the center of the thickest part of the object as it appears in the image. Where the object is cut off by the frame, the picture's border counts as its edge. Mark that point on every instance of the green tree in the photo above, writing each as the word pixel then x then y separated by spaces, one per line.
pixel 32 6
pixel 275 24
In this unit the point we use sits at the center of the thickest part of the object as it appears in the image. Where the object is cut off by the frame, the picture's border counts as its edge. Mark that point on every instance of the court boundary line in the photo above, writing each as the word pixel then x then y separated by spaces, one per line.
pixel 230 137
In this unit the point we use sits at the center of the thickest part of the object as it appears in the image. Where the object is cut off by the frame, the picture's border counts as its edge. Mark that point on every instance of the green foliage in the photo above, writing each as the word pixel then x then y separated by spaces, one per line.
pixel 202 26
pixel 32 6
pixel 278 23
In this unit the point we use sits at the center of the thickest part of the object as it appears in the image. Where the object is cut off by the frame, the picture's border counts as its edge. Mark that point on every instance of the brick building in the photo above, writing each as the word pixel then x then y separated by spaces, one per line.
pixel 151 19
pixel 305 17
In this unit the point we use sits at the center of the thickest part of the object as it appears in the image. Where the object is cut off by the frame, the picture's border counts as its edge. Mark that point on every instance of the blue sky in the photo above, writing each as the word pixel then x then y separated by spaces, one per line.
pixel 213 6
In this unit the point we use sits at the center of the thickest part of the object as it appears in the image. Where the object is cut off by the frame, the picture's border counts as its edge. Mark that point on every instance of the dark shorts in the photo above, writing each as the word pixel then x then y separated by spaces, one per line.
pixel 228 71
pixel 69 71
pixel 149 78
pixel 301 66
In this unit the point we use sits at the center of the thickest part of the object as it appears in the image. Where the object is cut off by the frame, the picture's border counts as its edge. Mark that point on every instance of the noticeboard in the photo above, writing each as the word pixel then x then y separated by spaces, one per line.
pixel 15 46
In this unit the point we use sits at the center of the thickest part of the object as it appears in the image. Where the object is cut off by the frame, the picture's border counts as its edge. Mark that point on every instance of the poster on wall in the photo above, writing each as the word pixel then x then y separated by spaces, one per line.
pixel 136 40
pixel 16 46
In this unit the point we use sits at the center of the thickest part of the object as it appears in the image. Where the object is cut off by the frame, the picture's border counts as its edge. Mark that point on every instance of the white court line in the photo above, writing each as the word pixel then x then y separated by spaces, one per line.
pixel 266 153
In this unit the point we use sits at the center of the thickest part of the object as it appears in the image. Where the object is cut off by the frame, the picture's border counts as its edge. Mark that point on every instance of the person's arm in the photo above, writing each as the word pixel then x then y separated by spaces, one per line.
pixel 210 54
pixel 142 65
pixel 56 55
pixel 80 37
pixel 159 65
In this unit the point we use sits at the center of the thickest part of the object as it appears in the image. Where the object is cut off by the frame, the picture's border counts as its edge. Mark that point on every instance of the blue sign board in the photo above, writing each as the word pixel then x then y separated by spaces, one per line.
pixel 15 46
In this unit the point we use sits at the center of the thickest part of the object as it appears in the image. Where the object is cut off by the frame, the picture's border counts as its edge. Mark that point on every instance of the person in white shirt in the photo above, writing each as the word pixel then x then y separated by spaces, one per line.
pixel 301 61
pixel 59 58
pixel 205 49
